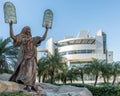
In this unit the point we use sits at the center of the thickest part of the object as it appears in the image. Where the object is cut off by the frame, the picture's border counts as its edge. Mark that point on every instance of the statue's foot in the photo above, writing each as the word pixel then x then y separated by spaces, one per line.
pixel 39 89
pixel 36 89
pixel 33 88
pixel 27 88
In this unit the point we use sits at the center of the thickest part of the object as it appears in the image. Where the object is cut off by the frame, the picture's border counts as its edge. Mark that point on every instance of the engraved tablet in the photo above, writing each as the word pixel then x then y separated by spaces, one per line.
pixel 48 18
pixel 9 13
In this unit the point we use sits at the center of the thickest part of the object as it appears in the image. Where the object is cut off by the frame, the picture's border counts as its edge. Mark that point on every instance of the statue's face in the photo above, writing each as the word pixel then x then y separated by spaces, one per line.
pixel 26 31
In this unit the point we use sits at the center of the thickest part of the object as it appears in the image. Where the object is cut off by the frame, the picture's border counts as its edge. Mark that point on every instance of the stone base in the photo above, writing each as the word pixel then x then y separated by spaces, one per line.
pixel 47 89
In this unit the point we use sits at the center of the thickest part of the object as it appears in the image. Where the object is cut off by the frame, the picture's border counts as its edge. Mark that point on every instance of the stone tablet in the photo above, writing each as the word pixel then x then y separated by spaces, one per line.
pixel 9 13
pixel 48 18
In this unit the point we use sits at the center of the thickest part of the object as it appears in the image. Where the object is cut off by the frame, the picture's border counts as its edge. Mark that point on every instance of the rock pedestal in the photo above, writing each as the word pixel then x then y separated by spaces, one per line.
pixel 64 90
pixel 47 89
pixel 8 87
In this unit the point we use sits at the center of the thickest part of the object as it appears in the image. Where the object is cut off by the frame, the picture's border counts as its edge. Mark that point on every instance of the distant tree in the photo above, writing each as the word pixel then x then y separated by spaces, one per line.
pixel 55 64
pixel 72 75
pixel 115 70
pixel 94 68
pixel 42 69
pixel 63 74
pixel 106 69
pixel 50 67
pixel 80 71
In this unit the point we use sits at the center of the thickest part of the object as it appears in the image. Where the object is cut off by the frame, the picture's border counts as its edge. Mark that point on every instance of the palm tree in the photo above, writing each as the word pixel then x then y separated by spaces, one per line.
pixel 8 55
pixel 106 69
pixel 72 75
pixel 63 74
pixel 55 64
pixel 42 69
pixel 115 70
pixel 80 71
pixel 94 68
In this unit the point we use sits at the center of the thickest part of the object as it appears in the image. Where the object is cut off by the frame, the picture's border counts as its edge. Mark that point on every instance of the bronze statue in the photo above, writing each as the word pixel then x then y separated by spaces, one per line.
pixel 25 72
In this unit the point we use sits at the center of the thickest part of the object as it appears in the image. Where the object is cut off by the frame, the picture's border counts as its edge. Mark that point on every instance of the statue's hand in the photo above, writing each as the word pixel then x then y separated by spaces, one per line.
pixel 47 27
pixel 11 22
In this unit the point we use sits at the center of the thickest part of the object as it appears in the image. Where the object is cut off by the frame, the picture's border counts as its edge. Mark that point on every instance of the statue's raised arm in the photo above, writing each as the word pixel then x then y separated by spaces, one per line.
pixel 11 31
pixel 45 34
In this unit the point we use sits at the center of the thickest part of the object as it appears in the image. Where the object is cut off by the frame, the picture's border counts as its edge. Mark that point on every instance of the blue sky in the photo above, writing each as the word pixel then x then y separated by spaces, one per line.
pixel 70 17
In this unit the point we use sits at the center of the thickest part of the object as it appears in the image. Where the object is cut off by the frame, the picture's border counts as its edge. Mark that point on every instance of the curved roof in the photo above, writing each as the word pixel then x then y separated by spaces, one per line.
pixel 76 41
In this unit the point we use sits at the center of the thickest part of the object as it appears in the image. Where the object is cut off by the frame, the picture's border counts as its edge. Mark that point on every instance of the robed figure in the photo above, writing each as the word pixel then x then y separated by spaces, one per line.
pixel 25 72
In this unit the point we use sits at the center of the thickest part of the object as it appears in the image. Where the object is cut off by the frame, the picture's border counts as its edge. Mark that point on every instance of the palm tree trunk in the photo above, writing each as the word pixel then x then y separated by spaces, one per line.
pixel 43 80
pixel 52 77
pixel 114 79
pixel 71 81
pixel 96 78
pixel 82 78
pixel 39 78
pixel 107 79
pixel 104 79
pixel 64 80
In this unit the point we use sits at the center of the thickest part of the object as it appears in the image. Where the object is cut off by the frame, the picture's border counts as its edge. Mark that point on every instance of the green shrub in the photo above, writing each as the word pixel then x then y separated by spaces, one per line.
pixel 10 94
pixel 100 91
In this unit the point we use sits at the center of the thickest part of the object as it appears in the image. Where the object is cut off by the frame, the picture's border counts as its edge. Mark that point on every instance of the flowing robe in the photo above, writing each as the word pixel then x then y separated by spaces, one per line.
pixel 25 72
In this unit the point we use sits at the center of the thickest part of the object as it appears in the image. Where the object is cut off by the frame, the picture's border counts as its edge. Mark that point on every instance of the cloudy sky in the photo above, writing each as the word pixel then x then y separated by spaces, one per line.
pixel 70 17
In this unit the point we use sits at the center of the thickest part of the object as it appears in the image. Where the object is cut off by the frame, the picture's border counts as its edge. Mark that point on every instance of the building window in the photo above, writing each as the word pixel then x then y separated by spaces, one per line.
pixel 77 52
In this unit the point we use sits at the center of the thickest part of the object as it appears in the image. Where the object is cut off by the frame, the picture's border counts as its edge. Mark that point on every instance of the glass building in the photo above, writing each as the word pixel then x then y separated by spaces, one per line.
pixel 82 48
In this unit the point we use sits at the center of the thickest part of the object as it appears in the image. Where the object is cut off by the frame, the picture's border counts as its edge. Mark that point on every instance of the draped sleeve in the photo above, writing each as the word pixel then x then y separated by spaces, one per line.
pixel 37 40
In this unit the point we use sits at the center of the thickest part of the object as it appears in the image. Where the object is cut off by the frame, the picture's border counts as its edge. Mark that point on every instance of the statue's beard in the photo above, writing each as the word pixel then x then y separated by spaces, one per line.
pixel 26 36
